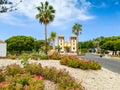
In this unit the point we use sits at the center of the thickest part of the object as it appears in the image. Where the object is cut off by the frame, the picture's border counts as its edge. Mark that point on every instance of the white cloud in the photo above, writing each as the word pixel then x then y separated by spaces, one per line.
pixel 66 11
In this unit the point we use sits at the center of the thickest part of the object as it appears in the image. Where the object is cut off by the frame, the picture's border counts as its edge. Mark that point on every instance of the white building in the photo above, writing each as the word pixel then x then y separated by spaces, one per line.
pixel 3 49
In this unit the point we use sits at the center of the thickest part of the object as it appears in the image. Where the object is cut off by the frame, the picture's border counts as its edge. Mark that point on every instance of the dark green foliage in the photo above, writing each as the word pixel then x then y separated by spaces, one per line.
pixel 110 43
pixel 20 43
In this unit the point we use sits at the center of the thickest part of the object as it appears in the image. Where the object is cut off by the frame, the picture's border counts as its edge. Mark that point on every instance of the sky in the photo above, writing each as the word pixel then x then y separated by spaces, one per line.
pixel 97 17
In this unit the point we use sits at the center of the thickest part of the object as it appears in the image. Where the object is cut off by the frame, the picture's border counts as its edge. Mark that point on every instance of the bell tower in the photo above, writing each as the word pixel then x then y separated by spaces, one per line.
pixel 61 43
pixel 73 41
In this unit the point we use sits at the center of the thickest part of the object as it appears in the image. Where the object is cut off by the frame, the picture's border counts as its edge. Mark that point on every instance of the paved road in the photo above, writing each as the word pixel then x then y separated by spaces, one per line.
pixel 109 63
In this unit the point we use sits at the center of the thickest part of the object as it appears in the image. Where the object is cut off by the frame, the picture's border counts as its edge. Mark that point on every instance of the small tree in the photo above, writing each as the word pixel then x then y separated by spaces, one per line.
pixel 52 37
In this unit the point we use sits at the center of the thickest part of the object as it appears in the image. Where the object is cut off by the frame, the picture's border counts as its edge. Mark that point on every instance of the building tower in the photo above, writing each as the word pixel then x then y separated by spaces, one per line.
pixel 61 43
pixel 73 41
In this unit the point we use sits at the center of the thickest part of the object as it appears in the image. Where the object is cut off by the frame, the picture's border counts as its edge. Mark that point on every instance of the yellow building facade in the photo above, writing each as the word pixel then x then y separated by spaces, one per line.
pixel 67 46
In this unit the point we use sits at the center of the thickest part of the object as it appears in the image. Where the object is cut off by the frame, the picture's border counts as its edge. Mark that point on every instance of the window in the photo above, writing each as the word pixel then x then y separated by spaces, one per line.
pixel 73 48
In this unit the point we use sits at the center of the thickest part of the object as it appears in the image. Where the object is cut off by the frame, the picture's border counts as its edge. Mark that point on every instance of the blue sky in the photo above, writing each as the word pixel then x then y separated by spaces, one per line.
pixel 98 17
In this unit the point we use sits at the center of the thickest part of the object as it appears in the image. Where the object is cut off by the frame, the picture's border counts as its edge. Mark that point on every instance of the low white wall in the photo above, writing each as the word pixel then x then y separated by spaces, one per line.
pixel 3 49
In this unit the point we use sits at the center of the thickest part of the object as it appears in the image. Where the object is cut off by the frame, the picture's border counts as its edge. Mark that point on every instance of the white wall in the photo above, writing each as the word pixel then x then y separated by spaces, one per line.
pixel 3 50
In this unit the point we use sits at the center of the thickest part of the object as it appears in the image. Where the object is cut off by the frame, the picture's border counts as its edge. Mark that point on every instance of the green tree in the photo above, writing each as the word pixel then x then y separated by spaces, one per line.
pixel 117 45
pixel 20 43
pixel 45 16
pixel 76 29
pixel 52 37
pixel 6 5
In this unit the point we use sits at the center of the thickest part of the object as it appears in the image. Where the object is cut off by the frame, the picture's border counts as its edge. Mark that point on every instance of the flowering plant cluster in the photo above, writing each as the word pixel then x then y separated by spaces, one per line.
pixel 31 77
pixel 75 62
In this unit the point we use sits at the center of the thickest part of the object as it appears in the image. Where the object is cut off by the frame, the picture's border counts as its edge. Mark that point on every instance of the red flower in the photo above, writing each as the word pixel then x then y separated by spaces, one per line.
pixel 1 84
pixel 40 77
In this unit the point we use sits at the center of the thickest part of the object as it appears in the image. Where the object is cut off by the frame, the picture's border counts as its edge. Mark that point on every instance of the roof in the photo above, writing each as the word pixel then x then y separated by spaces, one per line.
pixel 2 41
pixel 60 36
pixel 73 36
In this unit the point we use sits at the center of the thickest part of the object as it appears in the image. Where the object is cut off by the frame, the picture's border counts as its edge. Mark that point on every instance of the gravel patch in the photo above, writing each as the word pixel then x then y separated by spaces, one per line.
pixel 92 80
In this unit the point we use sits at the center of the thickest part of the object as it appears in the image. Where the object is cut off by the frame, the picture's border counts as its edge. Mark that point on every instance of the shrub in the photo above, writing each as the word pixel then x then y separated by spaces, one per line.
pixel 84 65
pixel 33 56
pixel 55 56
pixel 12 57
pixel 2 77
pixel 12 70
pixel 23 82
pixel 64 60
pixel 43 57
pixel 24 59
pixel 75 62
pixel 37 56
pixel 94 65
pixel 34 68
pixel 33 76
pixel 64 80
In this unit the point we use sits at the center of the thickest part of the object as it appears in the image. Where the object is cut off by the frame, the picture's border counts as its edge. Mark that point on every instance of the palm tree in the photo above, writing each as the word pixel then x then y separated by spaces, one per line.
pixel 76 29
pixel 52 37
pixel 45 16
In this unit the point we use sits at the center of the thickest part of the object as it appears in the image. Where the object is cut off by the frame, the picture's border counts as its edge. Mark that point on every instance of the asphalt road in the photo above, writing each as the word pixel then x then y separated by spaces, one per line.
pixel 109 63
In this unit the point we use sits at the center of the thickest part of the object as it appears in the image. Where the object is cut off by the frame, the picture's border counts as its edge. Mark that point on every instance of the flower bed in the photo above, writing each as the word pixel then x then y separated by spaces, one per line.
pixel 75 62
pixel 32 76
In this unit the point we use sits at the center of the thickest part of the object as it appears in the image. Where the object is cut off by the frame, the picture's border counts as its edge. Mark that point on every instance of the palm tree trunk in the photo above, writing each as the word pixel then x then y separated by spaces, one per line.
pixel 46 39
pixel 53 45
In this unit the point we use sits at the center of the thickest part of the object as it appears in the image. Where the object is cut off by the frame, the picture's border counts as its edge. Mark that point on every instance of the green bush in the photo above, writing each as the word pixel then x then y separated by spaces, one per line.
pixel 37 56
pixel 12 70
pixel 94 65
pixel 43 57
pixel 64 60
pixel 64 80
pixel 24 59
pixel 34 68
pixel 12 57
pixel 31 78
pixel 84 65
pixel 2 77
pixel 23 82
pixel 75 62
